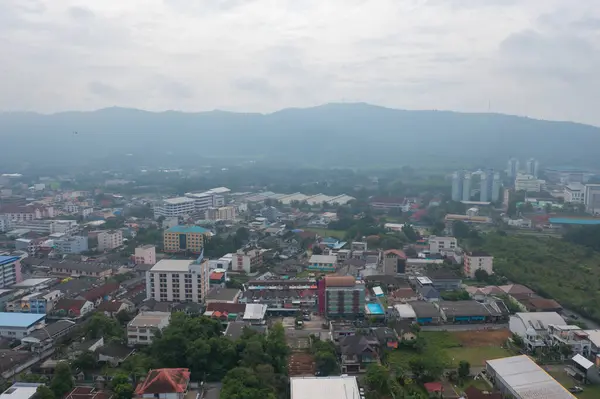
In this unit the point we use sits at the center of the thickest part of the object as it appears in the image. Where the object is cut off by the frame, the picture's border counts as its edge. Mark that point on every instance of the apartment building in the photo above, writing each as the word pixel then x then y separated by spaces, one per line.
pixel 344 296
pixel 185 238
pixel 10 270
pixel 71 245
pixel 5 223
pixel 439 244
pixel 108 240
pixel 213 198
pixel 145 255
pixel 574 193
pixel 44 226
pixel 180 206
pixel 591 198
pixel 178 281
pixel 142 329
pixel 478 260
pixel 222 213
pixel 246 260
pixel 17 213
pixel 529 183
pixel 394 262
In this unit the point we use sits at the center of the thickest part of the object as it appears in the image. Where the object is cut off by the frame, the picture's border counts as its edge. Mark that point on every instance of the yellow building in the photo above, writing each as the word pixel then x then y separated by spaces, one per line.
pixel 185 238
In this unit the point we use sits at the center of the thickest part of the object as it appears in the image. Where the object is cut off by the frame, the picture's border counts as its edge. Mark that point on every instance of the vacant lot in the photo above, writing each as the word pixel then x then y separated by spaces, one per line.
pixel 482 337
pixel 301 364
pixel 589 391
pixel 477 356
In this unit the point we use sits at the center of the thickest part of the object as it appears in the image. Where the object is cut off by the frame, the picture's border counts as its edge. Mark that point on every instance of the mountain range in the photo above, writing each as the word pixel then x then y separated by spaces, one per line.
pixel 344 135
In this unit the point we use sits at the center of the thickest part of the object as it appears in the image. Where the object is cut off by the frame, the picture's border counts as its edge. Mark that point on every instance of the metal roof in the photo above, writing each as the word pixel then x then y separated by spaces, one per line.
pixel 345 387
pixel 19 320
pixel 255 311
pixel 582 361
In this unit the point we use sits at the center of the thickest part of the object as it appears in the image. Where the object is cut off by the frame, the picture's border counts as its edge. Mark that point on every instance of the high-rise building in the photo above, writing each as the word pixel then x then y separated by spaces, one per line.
pixel 178 281
pixel 591 198
pixel 466 192
pixel 513 168
pixel 532 167
pixel 457 186
pixel 484 191
pixel 496 185
pixel 344 296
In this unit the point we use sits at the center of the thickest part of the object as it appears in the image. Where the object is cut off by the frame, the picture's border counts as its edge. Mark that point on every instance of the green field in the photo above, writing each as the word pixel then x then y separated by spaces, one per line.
pixel 476 356
pixel 328 232
pixel 589 391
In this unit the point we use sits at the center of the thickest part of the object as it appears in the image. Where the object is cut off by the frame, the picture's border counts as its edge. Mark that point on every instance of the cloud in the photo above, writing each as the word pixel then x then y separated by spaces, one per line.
pixel 530 57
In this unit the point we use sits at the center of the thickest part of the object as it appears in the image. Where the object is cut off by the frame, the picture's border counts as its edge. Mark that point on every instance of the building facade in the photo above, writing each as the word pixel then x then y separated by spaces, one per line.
pixel 10 270
pixel 145 255
pixel 532 167
pixel 344 297
pixel 181 206
pixel 246 260
pixel 185 239
pixel 529 183
pixel 474 261
pixel 178 281
pixel 512 168
pixel 394 262
pixel 574 193
pixel 591 198
pixel 108 240
pixel 71 245
pixel 438 244
pixel 143 328
pixel 322 263
pixel 222 213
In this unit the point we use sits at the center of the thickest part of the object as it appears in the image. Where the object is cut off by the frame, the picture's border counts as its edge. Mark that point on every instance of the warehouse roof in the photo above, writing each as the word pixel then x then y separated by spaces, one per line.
pixel 321 387
pixel 463 308
pixel 526 379
pixel 22 320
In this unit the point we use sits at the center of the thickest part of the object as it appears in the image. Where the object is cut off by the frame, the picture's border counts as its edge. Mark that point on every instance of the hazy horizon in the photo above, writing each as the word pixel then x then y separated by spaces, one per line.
pixel 535 58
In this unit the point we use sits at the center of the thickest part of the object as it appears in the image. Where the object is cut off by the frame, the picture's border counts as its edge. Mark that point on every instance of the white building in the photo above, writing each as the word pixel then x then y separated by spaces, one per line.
pixel 180 206
pixel 437 244
pixel 108 240
pixel 10 270
pixel 338 387
pixel 19 325
pixel 591 198
pixel 529 183
pixel 178 281
pixel 21 390
pixel 574 193
pixel 533 327
pixel 145 254
pixel 246 260
pixel 212 198
pixel 477 260
pixel 48 226
pixel 142 329
pixel 71 245
pixel 519 377
pixel 5 224
pixel 222 213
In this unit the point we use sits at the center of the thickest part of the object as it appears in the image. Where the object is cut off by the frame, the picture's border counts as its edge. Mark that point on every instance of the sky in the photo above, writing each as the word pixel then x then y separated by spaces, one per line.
pixel 539 58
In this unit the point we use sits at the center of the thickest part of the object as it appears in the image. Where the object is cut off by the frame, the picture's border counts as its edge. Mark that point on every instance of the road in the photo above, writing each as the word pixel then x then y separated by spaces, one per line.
pixel 465 327
pixel 574 316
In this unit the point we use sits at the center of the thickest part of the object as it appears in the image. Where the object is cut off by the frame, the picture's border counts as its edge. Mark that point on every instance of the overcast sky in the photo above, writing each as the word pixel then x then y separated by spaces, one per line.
pixel 528 57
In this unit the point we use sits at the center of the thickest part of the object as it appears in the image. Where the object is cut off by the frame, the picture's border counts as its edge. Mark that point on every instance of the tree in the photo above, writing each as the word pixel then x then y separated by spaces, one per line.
pixel 316 250
pixel 43 392
pixel 121 386
pixel 62 382
pixel 464 369
pixel 100 325
pixel 481 275
pixel 460 229
pixel 410 252
pixel 326 362
pixel 86 361
pixel 410 233
pixel 123 317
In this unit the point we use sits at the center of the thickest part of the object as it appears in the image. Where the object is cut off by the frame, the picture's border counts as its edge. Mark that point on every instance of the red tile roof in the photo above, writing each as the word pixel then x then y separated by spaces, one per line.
pixel 226 307
pixel 433 386
pixel 101 291
pixel 216 275
pixel 70 305
pixel 162 381
pixel 396 252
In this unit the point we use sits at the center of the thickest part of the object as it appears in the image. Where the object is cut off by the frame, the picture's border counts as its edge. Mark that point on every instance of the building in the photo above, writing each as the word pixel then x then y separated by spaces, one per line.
pixel 496 187
pixel 108 240
pixel 79 392
pixel 223 295
pixel 529 183
pixel 394 262
pixel 322 263
pixel 17 213
pixel 21 390
pixel 513 168
pixel 438 244
pixel 208 199
pixel 344 297
pixel 165 384
pixel 532 167
pixel 37 302
pixel 145 254
pixel 172 207
pixel 342 387
pixel 283 296
pixel 5 224
pixel 519 377
pixel 72 308
pixel 466 187
pixel 142 329
pixel 44 226
pixel 11 270
pixel 358 352
pixel 532 327
pixel 247 260
pixel 574 193
pixel 71 245
pixel 461 186
pixel 222 213
pixel 185 239
pixel 489 186
pixel 19 325
pixel 568 175
pixel 255 313
pixel 427 312
pixel 81 269
pixel 389 203
pixel 478 260
pixel 178 281
pixel 591 198
pixel 444 280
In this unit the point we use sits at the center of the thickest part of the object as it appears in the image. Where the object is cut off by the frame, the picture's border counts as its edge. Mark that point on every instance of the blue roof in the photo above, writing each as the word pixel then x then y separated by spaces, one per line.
pixel 188 229
pixel 574 221
pixel 10 319
pixel 8 259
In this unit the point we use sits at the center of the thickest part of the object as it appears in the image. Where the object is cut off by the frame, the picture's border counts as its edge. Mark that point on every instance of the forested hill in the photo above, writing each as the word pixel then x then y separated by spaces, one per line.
pixel 328 135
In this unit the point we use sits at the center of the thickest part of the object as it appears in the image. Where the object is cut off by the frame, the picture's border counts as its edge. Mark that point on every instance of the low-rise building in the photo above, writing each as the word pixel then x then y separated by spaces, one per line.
pixel 529 183
pixel 322 263
pixel 71 245
pixel 533 327
pixel 72 308
pixel 145 254
pixel 222 213
pixel 345 387
pixel 226 295
pixel 19 325
pixel 185 239
pixel 164 383
pixel 427 313
pixel 41 302
pixel 437 244
pixel 108 240
pixel 142 329
pixel 21 390
pixel 478 260
pixel 574 193
pixel 81 269
pixel 358 352
pixel 246 260
pixel 394 262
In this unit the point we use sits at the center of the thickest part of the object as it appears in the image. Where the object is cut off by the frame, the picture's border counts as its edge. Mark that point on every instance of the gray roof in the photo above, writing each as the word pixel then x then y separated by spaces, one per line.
pixel 235 329
pixel 428 292
pixel 80 266
pixel 424 309
pixel 115 350
pixel 463 308
pixel 51 330
pixel 222 294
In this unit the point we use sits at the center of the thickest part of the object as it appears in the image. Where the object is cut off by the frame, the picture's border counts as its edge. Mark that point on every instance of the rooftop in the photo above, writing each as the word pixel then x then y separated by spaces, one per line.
pixel 324 387
pixel 149 319
pixel 23 320
pixel 8 259
pixel 323 259
pixel 88 393
pixel 527 379
pixel 463 308
pixel 178 200
pixel 188 229
pixel 172 265
pixel 223 294
pixel 20 390
pixel 255 311
pixel 162 381
pixel 425 309
pixel 32 282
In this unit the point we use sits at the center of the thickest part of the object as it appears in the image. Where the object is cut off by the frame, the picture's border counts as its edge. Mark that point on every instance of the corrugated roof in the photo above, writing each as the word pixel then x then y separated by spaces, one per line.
pixel 23 320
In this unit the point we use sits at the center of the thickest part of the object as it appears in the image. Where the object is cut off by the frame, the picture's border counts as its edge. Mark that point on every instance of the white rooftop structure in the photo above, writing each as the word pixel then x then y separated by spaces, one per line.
pixel 32 282
pixel 405 311
pixel 424 281
pixel 323 259
pixel 524 379
pixel 520 322
pixel 172 265
pixel 582 361
pixel 377 291
pixel 255 311
pixel 20 390
pixel 338 387
pixel 178 200
pixel 593 336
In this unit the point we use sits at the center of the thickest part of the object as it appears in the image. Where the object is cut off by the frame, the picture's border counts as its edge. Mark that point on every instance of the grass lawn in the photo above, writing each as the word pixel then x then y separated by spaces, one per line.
pixel 328 232
pixel 589 391
pixel 476 356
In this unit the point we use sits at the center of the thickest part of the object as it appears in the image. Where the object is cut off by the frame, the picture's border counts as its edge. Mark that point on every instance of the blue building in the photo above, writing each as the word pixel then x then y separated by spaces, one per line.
pixel 19 325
